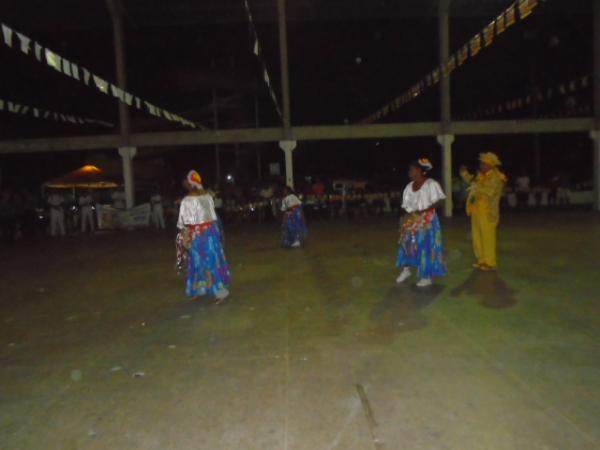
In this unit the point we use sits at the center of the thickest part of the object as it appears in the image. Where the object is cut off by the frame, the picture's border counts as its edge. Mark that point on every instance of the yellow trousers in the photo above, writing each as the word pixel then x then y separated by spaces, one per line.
pixel 484 239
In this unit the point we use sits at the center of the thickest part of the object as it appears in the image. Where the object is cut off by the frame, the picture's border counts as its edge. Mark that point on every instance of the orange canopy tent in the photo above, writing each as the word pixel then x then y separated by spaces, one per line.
pixel 86 177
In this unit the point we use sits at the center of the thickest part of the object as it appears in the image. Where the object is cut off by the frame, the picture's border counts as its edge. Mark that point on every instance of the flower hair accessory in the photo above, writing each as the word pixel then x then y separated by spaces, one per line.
pixel 194 179
pixel 425 164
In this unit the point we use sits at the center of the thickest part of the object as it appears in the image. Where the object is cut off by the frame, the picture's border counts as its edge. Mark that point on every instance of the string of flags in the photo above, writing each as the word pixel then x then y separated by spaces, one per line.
pixel 18 41
pixel 541 95
pixel 40 113
pixel 258 52
pixel 519 10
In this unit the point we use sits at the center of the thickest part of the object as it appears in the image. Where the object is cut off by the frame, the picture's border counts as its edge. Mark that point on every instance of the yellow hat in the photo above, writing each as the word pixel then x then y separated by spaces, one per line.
pixel 490 159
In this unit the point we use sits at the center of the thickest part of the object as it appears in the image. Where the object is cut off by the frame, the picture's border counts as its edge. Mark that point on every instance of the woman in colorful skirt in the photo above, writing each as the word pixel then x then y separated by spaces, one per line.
pixel 420 231
pixel 199 243
pixel 294 229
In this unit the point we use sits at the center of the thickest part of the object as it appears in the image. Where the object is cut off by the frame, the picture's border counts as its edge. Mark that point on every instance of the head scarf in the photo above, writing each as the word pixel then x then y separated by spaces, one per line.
pixel 424 164
pixel 491 159
pixel 194 179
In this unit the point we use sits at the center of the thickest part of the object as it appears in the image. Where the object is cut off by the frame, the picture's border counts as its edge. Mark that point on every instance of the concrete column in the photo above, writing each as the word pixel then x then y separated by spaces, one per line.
pixel 444 54
pixel 445 141
pixel 288 148
pixel 116 13
pixel 595 135
pixel 127 155
pixel 285 72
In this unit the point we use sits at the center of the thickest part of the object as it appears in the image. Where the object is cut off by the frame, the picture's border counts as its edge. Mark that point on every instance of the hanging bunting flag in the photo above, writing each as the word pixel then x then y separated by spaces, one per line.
pixel 38 51
pixel 500 24
pixel 257 52
pixel 151 108
pixel 7 33
pixel 128 98
pixel 451 64
pixel 488 34
pixel 101 84
pixel 475 45
pixel 25 43
pixel 13 107
pixel 75 71
pixel 66 67
pixel 472 48
pixel 463 54
pixel 526 7
pixel 117 93
pixel 138 103
pixel 37 113
pixel 53 60
pixel 510 16
pixel 86 76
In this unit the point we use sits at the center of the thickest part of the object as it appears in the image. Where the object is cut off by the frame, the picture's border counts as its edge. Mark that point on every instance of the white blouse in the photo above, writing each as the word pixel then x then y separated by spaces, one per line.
pixel 290 202
pixel 196 210
pixel 430 193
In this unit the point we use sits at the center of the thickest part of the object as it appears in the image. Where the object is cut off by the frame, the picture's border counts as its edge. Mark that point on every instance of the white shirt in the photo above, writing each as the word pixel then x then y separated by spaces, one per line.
pixel 429 194
pixel 196 210
pixel 290 202
pixel 85 201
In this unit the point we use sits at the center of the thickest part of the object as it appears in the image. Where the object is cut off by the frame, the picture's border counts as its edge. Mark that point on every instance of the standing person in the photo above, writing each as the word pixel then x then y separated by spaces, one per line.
pixel 57 214
pixel 199 243
pixel 523 188
pixel 420 230
pixel 158 212
pixel 483 205
pixel 86 207
pixel 294 229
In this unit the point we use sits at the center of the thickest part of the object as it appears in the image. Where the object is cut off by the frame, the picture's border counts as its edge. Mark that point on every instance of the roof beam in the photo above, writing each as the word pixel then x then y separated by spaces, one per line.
pixel 305 133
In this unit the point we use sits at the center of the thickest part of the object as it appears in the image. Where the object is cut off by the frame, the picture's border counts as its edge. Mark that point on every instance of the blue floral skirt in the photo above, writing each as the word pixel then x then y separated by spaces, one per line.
pixel 293 227
pixel 207 268
pixel 421 245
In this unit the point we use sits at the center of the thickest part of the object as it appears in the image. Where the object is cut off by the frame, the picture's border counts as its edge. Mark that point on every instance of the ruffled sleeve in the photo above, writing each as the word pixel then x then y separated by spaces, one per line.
pixel 435 192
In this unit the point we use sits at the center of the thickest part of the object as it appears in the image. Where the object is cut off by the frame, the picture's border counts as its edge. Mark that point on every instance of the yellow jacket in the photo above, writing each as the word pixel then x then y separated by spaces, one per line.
pixel 485 191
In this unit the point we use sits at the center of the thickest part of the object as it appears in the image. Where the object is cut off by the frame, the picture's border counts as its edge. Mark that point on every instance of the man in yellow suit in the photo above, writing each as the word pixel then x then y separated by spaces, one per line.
pixel 483 205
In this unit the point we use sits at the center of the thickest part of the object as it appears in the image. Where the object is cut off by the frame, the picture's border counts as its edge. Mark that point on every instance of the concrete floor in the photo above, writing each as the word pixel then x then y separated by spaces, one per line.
pixel 316 349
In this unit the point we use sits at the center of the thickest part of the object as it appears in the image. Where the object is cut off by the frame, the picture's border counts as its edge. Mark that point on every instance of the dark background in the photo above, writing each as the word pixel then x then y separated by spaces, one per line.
pixel 179 51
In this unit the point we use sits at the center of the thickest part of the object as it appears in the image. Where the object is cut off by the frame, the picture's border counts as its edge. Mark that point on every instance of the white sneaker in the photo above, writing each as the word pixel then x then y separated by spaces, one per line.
pixel 222 295
pixel 424 282
pixel 404 275
pixel 296 244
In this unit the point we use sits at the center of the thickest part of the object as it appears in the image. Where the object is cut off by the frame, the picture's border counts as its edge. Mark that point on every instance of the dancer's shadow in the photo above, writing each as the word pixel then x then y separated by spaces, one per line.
pixel 489 289
pixel 402 309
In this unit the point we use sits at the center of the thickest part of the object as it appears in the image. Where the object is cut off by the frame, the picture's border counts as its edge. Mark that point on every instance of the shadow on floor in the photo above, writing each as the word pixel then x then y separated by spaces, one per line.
pixel 490 290
pixel 401 309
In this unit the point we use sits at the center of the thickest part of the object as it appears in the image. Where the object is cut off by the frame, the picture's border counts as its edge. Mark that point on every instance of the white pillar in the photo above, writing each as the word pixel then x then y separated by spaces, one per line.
pixel 595 135
pixel 445 141
pixel 127 155
pixel 288 148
